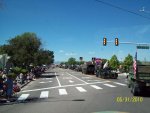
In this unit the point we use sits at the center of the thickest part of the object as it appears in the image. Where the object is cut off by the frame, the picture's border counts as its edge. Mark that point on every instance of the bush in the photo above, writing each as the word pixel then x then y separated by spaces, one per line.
pixel 24 71
pixel 12 75
pixel 16 70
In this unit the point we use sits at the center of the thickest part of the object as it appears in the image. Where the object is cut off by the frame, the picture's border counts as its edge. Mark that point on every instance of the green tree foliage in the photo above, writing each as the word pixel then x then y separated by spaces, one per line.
pixel 104 61
pixel 114 62
pixel 128 61
pixel 43 57
pixel 79 62
pixel 25 49
pixel 71 61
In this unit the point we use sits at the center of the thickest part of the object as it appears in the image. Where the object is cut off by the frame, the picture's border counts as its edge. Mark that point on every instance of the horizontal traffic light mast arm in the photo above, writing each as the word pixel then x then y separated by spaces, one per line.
pixel 129 43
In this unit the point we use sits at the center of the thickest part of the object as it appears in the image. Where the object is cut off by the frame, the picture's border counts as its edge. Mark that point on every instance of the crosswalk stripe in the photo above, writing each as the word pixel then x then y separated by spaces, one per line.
pixel 109 85
pixel 23 97
pixel 96 87
pixel 44 94
pixel 81 89
pixel 62 92
pixel 120 84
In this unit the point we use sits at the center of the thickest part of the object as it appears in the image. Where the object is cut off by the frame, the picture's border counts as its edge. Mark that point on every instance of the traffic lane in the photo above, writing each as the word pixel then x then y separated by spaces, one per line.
pixel 94 101
pixel 65 78
pixel 92 78
pixel 85 77
pixel 120 78
pixel 42 83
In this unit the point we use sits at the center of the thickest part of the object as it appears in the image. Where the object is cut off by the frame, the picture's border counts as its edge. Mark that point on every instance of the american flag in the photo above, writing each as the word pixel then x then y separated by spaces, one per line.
pixel 135 65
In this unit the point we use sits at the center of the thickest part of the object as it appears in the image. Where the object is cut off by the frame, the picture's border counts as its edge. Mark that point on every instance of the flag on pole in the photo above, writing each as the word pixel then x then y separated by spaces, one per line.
pixel 135 64
pixel 105 65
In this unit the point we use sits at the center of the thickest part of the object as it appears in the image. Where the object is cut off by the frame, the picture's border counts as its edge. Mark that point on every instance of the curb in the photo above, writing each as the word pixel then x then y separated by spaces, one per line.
pixel 24 84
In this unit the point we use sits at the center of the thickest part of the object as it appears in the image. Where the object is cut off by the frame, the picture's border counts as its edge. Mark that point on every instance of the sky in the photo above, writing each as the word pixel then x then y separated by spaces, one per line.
pixel 76 28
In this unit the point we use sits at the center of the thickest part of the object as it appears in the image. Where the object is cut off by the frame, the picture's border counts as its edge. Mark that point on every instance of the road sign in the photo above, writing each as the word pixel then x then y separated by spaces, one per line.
pixel 3 60
pixel 142 47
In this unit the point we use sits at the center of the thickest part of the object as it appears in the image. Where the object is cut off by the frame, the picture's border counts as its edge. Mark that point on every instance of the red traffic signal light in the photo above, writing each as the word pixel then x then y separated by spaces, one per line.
pixel 116 41
pixel 104 41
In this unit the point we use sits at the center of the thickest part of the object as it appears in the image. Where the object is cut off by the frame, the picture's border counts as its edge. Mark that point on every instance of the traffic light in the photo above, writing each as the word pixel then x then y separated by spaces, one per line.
pixel 81 58
pixel 104 41
pixel 116 41
pixel 93 58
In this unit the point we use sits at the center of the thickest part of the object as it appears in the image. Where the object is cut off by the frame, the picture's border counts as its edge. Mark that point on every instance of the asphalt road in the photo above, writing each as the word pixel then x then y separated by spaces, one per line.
pixel 66 91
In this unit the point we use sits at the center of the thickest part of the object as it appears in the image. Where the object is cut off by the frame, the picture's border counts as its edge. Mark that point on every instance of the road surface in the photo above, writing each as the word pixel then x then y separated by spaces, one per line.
pixel 66 91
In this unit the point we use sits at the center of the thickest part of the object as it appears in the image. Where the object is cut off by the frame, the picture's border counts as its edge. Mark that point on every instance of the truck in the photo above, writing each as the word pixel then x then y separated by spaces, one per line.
pixel 108 73
pixel 139 81
pixel 104 71
pixel 88 68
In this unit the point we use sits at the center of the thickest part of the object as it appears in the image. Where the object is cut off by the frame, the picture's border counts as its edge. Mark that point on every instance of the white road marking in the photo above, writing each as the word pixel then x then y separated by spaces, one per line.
pixel 120 84
pixel 67 77
pixel 109 85
pixel 62 92
pixel 44 94
pixel 71 81
pixel 93 80
pixel 46 74
pixel 48 78
pixel 81 89
pixel 23 97
pixel 45 82
pixel 96 87
pixel 86 77
pixel 77 78
pixel 62 86
pixel 58 80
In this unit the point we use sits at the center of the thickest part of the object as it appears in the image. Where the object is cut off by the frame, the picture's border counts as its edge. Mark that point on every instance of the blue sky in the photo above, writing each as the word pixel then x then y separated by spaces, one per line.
pixel 74 28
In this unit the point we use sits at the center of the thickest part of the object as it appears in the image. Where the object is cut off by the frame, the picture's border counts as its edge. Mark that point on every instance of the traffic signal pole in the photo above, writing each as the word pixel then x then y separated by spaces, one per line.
pixel 133 43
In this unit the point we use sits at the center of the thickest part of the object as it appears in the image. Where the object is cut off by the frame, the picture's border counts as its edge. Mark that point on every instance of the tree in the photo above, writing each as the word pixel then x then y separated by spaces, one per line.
pixel 104 61
pixel 128 61
pixel 25 49
pixel 79 62
pixel 44 57
pixel 71 61
pixel 114 62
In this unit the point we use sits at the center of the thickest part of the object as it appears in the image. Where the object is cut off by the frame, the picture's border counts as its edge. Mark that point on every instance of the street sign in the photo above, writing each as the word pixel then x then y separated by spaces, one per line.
pixel 142 47
pixel 3 60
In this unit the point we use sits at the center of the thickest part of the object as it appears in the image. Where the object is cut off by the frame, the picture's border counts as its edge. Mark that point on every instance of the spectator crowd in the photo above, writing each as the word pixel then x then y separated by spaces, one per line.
pixel 9 84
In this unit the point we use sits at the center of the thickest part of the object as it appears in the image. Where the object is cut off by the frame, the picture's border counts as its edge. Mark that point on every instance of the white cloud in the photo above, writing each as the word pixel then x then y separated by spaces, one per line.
pixel 91 52
pixel 61 51
pixel 70 54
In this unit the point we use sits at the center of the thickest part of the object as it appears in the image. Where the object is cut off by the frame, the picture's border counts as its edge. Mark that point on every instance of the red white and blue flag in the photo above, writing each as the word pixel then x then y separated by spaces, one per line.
pixel 135 65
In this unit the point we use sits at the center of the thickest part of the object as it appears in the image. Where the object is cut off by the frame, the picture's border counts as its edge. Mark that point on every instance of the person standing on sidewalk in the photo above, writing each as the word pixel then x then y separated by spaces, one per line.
pixel 9 87
pixel 21 78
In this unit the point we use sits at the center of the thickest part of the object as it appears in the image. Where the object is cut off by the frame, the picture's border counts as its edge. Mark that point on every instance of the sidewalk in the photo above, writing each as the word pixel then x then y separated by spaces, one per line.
pixel 3 99
pixel 123 74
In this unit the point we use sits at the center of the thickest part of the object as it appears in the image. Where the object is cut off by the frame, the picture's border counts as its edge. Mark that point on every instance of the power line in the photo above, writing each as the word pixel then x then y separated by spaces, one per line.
pixel 125 10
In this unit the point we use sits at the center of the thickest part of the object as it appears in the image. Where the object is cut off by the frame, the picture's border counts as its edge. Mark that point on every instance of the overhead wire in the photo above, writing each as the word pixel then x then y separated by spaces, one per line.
pixel 123 9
